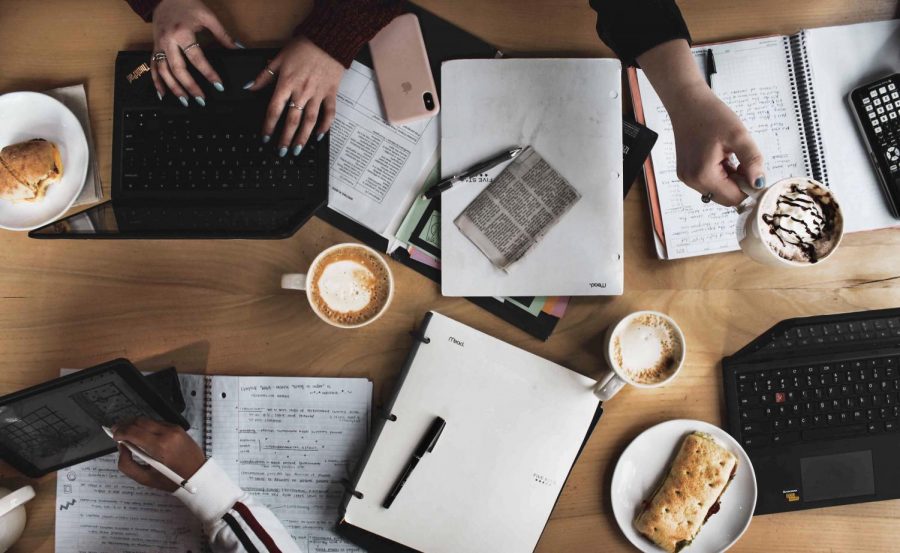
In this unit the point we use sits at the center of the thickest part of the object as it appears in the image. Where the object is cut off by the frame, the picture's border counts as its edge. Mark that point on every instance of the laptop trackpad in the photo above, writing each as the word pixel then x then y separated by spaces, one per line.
pixel 836 476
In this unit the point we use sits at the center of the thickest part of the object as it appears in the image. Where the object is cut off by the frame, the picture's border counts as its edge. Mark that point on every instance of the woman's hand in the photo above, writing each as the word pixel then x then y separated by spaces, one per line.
pixel 167 443
pixel 175 24
pixel 707 132
pixel 307 83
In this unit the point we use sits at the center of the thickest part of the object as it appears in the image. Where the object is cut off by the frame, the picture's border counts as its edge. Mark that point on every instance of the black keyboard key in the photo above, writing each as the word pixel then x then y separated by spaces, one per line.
pixel 834 432
pixel 756 441
pixel 890 426
pixel 755 428
pixel 786 438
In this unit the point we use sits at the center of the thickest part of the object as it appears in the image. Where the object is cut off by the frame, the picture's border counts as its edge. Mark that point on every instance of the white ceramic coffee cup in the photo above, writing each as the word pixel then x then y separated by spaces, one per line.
pixel 303 281
pixel 616 378
pixel 750 226
pixel 12 515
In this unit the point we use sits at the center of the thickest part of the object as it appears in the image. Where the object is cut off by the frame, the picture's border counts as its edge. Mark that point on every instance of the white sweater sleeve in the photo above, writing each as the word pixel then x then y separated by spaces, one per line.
pixel 234 521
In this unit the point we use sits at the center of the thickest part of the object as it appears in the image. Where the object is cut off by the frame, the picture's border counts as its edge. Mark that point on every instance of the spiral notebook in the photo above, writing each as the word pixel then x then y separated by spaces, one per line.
pixel 287 441
pixel 515 425
pixel 791 92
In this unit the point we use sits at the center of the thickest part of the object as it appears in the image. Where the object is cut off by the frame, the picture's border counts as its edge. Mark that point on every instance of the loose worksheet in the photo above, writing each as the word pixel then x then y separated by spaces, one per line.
pixel 753 80
pixel 100 510
pixel 376 168
pixel 290 442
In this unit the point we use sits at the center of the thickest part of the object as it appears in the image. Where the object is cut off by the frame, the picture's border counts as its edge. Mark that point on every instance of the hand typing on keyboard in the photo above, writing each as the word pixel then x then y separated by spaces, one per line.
pixel 307 80
pixel 175 24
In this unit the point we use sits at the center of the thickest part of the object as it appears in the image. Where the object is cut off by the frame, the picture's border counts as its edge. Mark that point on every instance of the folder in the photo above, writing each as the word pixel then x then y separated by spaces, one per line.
pixel 515 425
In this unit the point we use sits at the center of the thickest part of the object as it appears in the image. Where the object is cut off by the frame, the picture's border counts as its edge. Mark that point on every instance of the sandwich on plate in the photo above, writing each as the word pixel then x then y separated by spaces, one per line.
pixel 689 494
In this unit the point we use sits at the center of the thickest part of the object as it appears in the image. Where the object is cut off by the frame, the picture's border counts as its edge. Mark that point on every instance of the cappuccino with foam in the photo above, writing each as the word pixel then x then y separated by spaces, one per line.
pixel 348 285
pixel 647 348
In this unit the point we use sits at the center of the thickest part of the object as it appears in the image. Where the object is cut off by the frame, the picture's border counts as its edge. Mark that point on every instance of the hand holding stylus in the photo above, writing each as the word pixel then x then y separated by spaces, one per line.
pixel 171 456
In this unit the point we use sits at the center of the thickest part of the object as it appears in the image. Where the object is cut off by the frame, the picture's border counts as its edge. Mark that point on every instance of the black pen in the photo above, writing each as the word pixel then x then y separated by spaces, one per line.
pixel 448 183
pixel 425 446
pixel 710 67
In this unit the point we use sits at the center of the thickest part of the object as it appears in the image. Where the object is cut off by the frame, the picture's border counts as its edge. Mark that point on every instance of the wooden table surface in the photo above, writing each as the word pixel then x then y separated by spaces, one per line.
pixel 216 307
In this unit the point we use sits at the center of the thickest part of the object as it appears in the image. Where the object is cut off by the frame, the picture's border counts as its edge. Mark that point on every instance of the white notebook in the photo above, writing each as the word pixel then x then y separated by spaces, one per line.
pixel 791 92
pixel 570 112
pixel 287 441
pixel 515 424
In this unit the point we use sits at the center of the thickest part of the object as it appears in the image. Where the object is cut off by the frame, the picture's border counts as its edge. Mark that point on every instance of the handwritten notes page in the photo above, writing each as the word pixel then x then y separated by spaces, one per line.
pixel 753 79
pixel 376 168
pixel 289 442
pixel 100 510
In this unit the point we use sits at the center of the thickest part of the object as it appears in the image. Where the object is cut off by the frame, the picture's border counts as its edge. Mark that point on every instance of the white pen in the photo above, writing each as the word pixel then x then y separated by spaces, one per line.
pixel 142 455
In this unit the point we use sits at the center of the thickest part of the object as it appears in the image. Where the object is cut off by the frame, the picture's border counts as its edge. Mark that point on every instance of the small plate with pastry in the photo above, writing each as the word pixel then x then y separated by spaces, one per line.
pixel 683 485
pixel 43 160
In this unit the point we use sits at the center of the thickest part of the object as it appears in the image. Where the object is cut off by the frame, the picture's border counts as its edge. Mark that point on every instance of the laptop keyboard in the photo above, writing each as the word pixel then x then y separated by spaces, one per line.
pixel 810 402
pixel 187 154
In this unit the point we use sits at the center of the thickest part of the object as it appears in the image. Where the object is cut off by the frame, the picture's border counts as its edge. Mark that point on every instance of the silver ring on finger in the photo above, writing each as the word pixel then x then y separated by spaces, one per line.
pixel 706 198
pixel 270 72
pixel 189 46
pixel 158 57
pixel 295 106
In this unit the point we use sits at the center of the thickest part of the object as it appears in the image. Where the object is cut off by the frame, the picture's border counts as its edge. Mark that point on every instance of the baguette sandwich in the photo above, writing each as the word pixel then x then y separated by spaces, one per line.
pixel 27 169
pixel 690 493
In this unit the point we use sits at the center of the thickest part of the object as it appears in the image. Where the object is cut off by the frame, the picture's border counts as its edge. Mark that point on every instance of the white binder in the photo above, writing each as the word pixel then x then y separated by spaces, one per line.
pixel 515 424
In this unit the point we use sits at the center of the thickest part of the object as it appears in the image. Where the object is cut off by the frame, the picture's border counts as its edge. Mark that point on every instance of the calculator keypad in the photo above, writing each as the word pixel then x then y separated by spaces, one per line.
pixel 881 109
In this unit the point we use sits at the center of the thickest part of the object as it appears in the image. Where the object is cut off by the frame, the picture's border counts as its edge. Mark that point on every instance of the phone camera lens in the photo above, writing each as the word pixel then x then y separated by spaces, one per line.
pixel 429 101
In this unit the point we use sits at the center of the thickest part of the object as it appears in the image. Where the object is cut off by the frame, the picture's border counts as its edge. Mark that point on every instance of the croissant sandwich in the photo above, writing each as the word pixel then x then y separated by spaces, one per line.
pixel 689 494
pixel 28 168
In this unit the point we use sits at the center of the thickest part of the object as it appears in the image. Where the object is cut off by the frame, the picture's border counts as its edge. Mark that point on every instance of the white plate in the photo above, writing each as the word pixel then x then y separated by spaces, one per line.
pixel 644 463
pixel 27 115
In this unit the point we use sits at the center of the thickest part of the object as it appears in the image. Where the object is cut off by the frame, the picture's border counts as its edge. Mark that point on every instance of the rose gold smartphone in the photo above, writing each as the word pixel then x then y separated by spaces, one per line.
pixel 403 72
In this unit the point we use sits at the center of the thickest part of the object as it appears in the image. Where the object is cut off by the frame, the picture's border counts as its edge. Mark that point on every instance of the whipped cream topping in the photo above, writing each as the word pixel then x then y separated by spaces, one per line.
pixel 802 222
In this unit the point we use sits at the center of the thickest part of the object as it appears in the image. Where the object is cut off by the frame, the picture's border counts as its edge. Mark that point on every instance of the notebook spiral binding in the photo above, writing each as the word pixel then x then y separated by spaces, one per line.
pixel 805 103
pixel 420 336
pixel 207 439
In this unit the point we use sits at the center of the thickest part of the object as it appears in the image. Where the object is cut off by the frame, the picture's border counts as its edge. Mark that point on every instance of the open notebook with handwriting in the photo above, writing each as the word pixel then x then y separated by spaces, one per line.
pixel 515 424
pixel 287 441
pixel 791 93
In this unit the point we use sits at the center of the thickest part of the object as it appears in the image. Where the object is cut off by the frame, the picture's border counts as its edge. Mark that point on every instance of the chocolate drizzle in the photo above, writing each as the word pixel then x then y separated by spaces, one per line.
pixel 816 220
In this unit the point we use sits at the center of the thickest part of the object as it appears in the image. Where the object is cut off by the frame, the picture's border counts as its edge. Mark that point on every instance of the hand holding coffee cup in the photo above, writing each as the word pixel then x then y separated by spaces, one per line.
pixel 796 222
pixel 646 349
pixel 347 285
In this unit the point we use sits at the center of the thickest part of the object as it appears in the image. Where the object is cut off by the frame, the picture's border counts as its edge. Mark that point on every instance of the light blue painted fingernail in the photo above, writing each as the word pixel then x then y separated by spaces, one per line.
pixel 266 138
pixel 239 45
pixel 159 95
pixel 183 100
pixel 760 182
pixel 320 137
pixel 219 86
pixel 200 100
pixel 282 152
pixel 249 85
pixel 297 149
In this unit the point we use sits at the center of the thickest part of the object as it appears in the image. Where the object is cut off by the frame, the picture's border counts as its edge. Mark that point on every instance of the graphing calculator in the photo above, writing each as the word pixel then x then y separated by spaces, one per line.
pixel 877 108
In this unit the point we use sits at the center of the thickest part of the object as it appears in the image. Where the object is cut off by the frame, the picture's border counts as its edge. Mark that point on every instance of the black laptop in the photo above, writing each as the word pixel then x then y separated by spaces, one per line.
pixel 816 404
pixel 199 172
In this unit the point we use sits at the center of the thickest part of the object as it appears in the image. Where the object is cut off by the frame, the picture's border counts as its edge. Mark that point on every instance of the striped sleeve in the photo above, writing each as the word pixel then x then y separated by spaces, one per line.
pixel 233 520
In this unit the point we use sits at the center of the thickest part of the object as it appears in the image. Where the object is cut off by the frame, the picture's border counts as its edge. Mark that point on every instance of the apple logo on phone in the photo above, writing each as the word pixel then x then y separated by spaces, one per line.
pixel 406 86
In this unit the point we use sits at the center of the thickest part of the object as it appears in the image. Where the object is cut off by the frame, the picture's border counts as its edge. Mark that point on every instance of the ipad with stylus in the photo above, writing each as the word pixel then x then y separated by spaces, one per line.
pixel 58 423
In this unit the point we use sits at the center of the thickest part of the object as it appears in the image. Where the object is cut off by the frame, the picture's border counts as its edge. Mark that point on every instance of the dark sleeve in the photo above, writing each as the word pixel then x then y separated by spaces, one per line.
pixel 342 27
pixel 631 27
pixel 144 8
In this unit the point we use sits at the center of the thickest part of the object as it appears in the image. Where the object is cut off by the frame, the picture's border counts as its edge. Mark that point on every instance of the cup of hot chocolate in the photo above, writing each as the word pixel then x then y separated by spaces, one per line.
pixel 796 222
pixel 645 349
pixel 347 285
